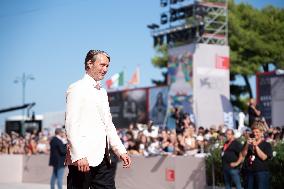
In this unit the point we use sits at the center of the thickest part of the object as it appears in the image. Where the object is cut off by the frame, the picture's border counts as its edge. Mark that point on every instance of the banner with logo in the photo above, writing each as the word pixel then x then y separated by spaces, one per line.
pixel 212 86
pixel 180 73
pixel 270 97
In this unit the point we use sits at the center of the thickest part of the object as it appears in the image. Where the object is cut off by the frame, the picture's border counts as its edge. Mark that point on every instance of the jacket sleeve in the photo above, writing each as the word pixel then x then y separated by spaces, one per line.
pixel 74 102
pixel 112 135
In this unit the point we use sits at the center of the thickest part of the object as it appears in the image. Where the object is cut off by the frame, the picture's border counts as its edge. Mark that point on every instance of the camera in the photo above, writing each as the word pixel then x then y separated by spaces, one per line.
pixel 251 135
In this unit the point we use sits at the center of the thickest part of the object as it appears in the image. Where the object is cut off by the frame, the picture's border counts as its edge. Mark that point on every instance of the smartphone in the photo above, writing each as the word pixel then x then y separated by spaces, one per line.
pixel 251 135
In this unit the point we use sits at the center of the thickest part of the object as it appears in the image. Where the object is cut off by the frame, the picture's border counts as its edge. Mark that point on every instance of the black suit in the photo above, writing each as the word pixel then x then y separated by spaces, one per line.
pixel 57 158
pixel 57 153
pixel 99 177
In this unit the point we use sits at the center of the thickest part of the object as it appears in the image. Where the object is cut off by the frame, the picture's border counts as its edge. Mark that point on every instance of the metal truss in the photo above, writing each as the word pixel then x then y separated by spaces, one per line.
pixel 206 22
pixel 216 23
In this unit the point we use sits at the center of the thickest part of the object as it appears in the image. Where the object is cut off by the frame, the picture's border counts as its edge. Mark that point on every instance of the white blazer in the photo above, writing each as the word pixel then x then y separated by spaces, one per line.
pixel 88 121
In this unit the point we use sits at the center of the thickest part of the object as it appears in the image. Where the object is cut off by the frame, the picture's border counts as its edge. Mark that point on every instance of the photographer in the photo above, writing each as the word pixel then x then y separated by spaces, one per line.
pixel 257 153
pixel 253 112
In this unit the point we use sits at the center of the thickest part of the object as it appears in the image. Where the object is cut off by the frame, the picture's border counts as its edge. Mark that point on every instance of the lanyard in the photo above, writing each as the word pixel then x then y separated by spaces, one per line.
pixel 226 145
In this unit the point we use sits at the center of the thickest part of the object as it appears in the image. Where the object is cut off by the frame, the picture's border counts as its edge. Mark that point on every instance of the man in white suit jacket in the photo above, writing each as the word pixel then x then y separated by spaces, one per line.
pixel 90 130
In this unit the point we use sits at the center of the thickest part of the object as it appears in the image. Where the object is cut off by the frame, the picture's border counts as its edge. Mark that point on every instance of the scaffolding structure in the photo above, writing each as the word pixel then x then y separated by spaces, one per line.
pixel 216 23
pixel 197 22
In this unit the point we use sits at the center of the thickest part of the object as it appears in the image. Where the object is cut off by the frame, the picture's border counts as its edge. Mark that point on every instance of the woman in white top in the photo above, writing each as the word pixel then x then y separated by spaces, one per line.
pixel 190 141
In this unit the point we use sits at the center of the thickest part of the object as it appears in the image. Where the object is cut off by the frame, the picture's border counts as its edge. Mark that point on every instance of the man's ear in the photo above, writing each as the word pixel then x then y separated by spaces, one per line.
pixel 89 64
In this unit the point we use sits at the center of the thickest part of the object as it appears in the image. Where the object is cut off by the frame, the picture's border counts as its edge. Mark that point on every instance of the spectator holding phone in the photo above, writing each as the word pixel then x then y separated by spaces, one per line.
pixel 257 153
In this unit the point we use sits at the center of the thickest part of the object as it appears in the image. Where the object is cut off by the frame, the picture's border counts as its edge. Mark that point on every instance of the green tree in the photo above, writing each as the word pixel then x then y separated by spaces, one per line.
pixel 256 40
pixel 161 61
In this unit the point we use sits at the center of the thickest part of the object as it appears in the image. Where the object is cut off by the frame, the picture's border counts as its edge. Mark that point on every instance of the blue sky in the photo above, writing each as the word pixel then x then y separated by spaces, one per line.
pixel 49 39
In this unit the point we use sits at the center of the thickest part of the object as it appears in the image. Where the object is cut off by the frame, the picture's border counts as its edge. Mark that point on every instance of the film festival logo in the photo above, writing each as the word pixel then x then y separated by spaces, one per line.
pixel 211 83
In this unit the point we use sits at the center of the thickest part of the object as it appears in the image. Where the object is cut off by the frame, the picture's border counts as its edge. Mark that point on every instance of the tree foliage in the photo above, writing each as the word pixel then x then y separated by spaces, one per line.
pixel 161 58
pixel 161 61
pixel 256 40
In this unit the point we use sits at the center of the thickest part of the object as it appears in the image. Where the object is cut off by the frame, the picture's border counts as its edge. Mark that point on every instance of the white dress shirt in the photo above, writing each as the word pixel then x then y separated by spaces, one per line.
pixel 88 122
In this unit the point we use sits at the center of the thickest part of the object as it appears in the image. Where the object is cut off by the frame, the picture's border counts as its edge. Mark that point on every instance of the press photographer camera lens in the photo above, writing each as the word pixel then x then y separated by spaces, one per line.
pixel 251 135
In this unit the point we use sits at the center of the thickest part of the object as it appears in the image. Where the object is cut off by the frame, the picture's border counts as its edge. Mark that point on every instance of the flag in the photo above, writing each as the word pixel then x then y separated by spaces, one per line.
pixel 222 62
pixel 135 79
pixel 115 81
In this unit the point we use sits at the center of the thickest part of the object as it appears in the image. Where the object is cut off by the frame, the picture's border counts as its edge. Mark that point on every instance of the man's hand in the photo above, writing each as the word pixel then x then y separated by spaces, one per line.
pixel 126 160
pixel 83 165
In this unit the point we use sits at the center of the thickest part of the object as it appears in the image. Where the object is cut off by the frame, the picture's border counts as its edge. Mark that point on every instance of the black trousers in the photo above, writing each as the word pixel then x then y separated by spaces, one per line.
pixel 99 177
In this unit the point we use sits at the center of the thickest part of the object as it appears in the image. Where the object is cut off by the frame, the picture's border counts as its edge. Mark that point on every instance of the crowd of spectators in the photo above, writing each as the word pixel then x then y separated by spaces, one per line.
pixel 186 139
pixel 30 143
pixel 145 140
